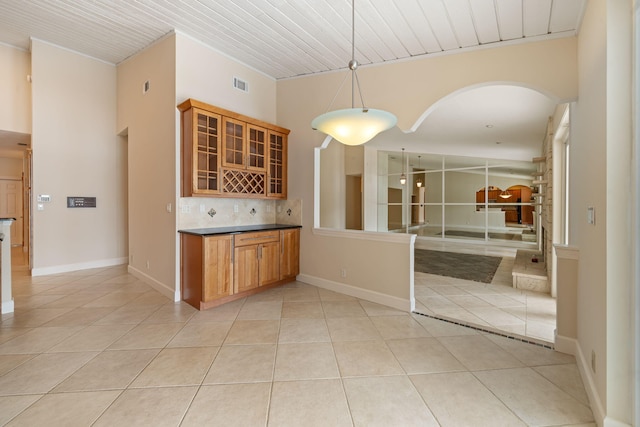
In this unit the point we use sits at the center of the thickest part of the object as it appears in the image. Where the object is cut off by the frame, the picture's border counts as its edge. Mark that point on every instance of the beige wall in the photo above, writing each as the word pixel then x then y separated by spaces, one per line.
pixel 567 318
pixel 408 90
pixel 204 74
pixel 619 264
pixel 75 153
pixel 10 167
pixel 207 75
pixel 177 68
pixel 588 183
pixel 149 120
pixel 15 90
pixel 600 177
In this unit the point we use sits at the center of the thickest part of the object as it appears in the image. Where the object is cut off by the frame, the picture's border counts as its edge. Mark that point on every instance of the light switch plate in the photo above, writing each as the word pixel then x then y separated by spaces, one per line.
pixel 591 215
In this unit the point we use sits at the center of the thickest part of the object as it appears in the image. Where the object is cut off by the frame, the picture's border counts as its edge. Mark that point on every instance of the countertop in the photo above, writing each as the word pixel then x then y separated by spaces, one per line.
pixel 237 229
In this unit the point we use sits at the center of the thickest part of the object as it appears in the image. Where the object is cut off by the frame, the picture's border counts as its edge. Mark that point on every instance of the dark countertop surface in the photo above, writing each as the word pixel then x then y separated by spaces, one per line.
pixel 237 229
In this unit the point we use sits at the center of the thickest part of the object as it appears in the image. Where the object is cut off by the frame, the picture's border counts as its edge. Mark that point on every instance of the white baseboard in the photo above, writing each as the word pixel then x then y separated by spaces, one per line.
pixel 172 294
pixel 365 294
pixel 565 345
pixel 80 266
pixel 610 422
pixel 7 307
pixel 590 386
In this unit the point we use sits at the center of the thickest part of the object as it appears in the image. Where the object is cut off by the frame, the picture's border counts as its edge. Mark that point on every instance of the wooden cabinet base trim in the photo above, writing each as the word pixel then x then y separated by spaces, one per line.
pixel 224 300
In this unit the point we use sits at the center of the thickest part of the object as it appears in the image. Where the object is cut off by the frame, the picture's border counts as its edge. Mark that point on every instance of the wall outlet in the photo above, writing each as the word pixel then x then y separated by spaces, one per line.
pixel 186 209
pixel 235 209
pixel 593 361
pixel 343 273
pixel 148 265
pixel 202 208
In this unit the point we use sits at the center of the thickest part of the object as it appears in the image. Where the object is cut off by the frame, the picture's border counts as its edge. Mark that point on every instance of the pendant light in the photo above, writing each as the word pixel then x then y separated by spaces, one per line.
pixel 403 177
pixel 353 126
pixel 505 194
pixel 419 183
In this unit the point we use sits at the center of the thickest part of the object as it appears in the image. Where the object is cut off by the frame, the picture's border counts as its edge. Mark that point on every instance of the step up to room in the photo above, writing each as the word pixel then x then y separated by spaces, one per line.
pixel 529 274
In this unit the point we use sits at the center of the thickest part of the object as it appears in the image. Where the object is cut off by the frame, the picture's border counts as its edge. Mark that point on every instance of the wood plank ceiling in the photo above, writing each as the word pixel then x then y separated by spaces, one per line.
pixel 287 38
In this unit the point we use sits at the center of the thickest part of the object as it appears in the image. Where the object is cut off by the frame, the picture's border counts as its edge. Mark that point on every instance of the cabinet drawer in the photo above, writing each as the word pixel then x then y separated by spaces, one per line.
pixel 256 238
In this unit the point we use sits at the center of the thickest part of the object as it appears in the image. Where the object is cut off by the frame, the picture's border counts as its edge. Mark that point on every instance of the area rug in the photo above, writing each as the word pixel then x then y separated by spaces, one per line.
pixel 479 268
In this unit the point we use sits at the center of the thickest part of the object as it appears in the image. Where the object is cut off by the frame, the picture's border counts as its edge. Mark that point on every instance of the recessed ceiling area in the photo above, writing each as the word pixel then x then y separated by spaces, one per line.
pixel 494 121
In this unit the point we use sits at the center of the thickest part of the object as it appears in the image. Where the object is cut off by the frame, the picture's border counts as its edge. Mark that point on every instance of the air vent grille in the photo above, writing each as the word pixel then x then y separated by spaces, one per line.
pixel 240 84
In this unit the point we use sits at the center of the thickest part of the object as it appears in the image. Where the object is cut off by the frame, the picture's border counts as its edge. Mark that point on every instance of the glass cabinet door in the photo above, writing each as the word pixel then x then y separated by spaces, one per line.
pixel 277 161
pixel 257 147
pixel 233 143
pixel 205 156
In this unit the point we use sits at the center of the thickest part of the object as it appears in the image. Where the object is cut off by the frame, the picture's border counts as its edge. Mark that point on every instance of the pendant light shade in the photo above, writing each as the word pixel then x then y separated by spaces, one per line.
pixel 505 194
pixel 354 126
pixel 419 181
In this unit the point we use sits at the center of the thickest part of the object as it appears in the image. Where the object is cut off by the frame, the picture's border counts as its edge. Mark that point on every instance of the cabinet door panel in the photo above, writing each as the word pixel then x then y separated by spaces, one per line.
pixel 289 253
pixel 217 268
pixel 234 143
pixel 277 168
pixel 269 254
pixel 256 148
pixel 245 268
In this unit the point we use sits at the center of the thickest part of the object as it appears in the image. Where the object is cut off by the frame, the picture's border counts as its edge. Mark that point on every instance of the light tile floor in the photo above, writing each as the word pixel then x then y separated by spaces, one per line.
pixel 101 348
pixel 496 306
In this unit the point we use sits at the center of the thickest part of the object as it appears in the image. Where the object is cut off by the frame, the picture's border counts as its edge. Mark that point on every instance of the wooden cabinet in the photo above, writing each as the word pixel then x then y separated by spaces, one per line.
pixel 201 157
pixel 289 253
pixel 206 268
pixel 519 214
pixel 233 145
pixel 256 148
pixel 227 154
pixel 277 173
pixel 220 268
pixel 256 260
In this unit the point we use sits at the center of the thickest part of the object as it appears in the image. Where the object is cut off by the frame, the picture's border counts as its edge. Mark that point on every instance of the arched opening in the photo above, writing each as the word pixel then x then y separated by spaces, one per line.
pixel 485 136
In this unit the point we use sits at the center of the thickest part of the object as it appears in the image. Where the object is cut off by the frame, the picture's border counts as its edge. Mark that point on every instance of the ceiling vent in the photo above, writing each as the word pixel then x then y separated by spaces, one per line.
pixel 240 84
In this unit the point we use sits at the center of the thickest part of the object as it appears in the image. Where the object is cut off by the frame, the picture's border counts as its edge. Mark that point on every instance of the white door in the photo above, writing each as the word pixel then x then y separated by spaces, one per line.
pixel 11 207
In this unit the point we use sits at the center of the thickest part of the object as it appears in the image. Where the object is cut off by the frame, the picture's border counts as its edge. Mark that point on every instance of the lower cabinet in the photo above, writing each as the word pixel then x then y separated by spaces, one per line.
pixel 289 253
pixel 217 269
pixel 206 273
pixel 256 259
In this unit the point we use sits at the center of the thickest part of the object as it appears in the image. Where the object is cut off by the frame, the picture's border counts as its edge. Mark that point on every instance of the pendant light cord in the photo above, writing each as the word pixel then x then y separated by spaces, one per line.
pixel 354 75
pixel 353 64
pixel 353 30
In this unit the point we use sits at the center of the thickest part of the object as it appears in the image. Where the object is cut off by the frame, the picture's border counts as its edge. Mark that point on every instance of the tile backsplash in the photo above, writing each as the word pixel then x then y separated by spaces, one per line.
pixel 206 212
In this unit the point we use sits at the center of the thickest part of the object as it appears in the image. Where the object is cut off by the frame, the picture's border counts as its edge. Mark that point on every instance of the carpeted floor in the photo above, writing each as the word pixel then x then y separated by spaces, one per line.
pixel 479 268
